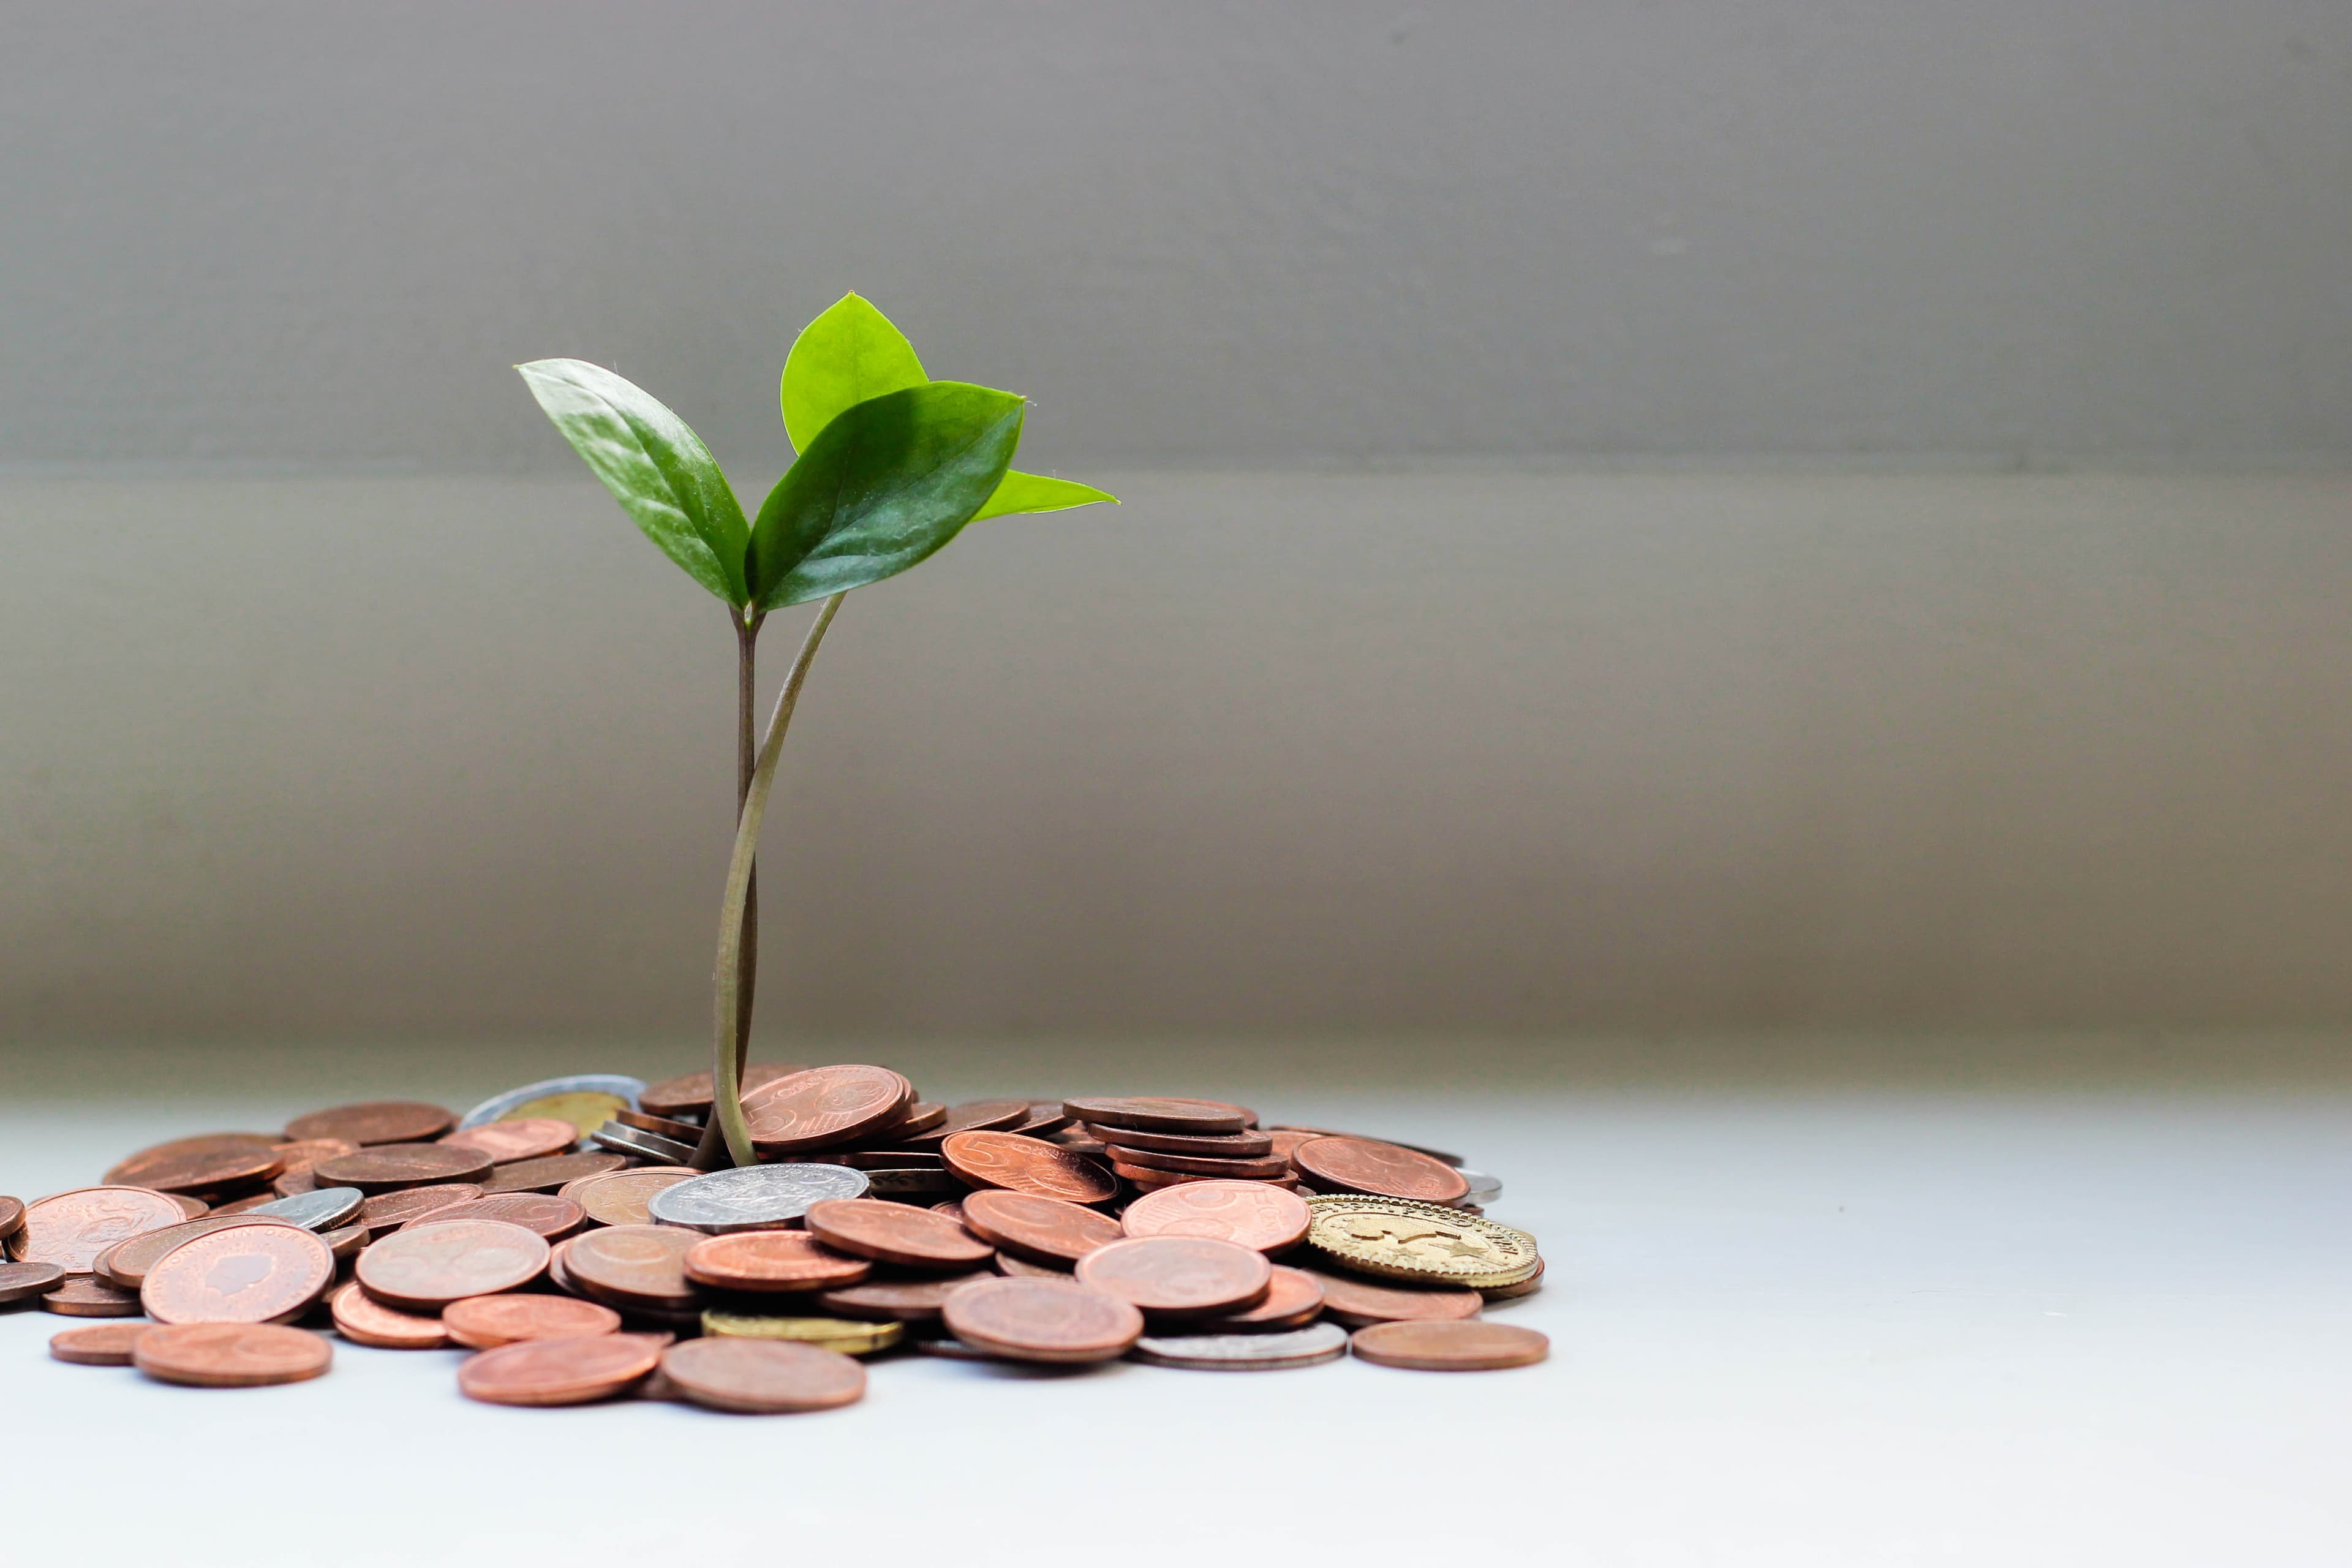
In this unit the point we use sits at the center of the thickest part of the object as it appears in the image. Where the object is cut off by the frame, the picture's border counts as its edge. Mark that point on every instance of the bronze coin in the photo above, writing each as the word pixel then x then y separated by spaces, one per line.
pixel 83 1297
pixel 544 1213
pixel 1021 1268
pixel 952 1209
pixel 389 1211
pixel 525 1138
pixel 201 1172
pixel 1179 1276
pixel 231 1355
pixel 12 1217
pixel 424 1269
pixel 1043 1230
pixel 22 1281
pixel 661 1126
pixel 1287 1138
pixel 1249 1214
pixel 364 1320
pixel 923 1118
pixel 1045 1116
pixel 132 1171
pixel 1028 1165
pixel 294 1182
pixel 822 1107
pixel 1458 1346
pixel 1359 1303
pixel 190 1207
pixel 240 1205
pixel 71 1229
pixel 894 1232
pixel 1292 1299
pixel 126 1263
pixel 691 1096
pixel 635 1266
pixel 769 1260
pixel 548 1174
pixel 1252 1145
pixel 763 1377
pixel 100 1344
pixel 389 1167
pixel 1163 1114
pixel 1043 1320
pixel 346 1243
pixel 1079 1138
pixel 898 1300
pixel 560 1371
pixel 308 1152
pixel 1238 1170
pixel 1378 1170
pixel 981 1116
pixel 244 1274
pixel 486 1322
pixel 1527 1287
pixel 619 1197
pixel 378 1121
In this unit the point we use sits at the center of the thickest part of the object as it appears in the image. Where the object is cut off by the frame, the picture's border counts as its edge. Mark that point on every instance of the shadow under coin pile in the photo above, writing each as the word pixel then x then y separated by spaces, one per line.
pixel 558 1234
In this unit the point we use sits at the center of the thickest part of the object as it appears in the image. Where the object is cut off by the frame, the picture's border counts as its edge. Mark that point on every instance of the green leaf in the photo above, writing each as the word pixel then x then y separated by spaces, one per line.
pixel 845 357
pixel 882 488
pixel 656 466
pixel 1040 493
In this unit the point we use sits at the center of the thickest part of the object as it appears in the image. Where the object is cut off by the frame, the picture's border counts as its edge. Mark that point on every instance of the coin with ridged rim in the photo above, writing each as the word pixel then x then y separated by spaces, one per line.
pixel 1309 1346
pixel 1425 1242
pixel 753 1198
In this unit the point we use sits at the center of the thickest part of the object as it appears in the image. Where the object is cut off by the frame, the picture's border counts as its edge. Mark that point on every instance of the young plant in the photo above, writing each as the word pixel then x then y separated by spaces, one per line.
pixel 891 466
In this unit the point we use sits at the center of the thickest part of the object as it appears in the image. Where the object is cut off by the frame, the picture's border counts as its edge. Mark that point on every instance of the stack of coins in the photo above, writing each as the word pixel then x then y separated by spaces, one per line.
pixel 559 1232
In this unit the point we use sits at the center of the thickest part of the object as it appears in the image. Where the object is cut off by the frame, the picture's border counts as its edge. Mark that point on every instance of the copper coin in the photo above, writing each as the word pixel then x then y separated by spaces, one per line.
pixel 83 1297
pixel 763 1377
pixel 1078 1138
pixel 364 1320
pixel 1249 1214
pixel 898 1300
pixel 390 1211
pixel 1252 1145
pixel 1179 1276
pixel 346 1243
pixel 199 1172
pixel 548 1175
pixel 132 1171
pixel 308 1151
pixel 1161 1114
pixel 21 1281
pixel 1294 1298
pixel 389 1167
pixel 620 1197
pixel 1200 1165
pixel 544 1213
pixel 424 1269
pixel 12 1217
pixel 822 1107
pixel 293 1184
pixel 1043 1230
pixel 525 1138
pixel 486 1322
pixel 894 1232
pixel 923 1118
pixel 1359 1304
pixel 190 1207
pixel 378 1121
pixel 100 1344
pixel 71 1229
pixel 1045 1116
pixel 691 1096
pixel 1457 1346
pixel 244 1274
pixel 952 1209
pixel 1527 1287
pixel 242 1205
pixel 982 1116
pixel 1378 1170
pixel 1028 1165
pixel 634 1265
pixel 126 1263
pixel 560 1371
pixel 1287 1138
pixel 662 1126
pixel 1021 1268
pixel 231 1355
pixel 1043 1320
pixel 767 1260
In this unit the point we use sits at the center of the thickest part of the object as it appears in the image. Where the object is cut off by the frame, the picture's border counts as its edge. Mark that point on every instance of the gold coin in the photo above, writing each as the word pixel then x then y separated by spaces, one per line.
pixel 832 1333
pixel 587 1111
pixel 1399 1240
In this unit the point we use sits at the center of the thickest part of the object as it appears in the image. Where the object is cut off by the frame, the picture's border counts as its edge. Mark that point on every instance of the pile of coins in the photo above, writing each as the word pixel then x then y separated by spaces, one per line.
pixel 559 1234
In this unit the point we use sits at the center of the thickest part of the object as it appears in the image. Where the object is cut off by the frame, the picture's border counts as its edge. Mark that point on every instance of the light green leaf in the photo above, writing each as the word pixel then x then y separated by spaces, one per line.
pixel 883 486
pixel 845 357
pixel 656 466
pixel 1040 493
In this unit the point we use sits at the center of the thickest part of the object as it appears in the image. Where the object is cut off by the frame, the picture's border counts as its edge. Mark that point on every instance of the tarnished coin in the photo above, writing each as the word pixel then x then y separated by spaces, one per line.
pixel 231 1355
pixel 1179 1276
pixel 1163 1114
pixel 1149 1160
pixel 100 1344
pixel 542 1213
pixel 388 1212
pixel 364 1320
pixel 1459 1346
pixel 378 1121
pixel 1421 1242
pixel 200 1173
pixel 134 1171
pixel 1043 1320
pixel 896 1234
pixel 486 1322
pixel 125 1264
pixel 1292 1299
pixel 587 1100
pixel 621 1196
pixel 1043 1230
pixel 1248 1214
pixel 71 1229
pixel 1483 1189
pixel 632 1266
pixel 771 1260
pixel 691 1094
pixel 1359 1303
pixel 762 1376
pixel 849 1339
pixel 23 1281
pixel 753 1198
pixel 824 1106
pixel 617 1138
pixel 263 1273
pixel 328 1208
pixel 12 1217
pixel 899 1300
pixel 560 1371
pixel 426 1268
pixel 548 1174
pixel 1251 1145
pixel 389 1167
pixel 1244 1353
pixel 518 1137
pixel 1029 1165
pixel 84 1297
pixel 1377 1170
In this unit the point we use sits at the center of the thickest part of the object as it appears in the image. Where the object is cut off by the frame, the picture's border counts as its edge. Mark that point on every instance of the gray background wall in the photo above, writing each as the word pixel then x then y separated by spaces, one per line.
pixel 1571 577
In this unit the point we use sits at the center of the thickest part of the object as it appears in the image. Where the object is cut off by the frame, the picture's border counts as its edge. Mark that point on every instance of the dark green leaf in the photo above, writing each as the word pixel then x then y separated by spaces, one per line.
pixel 845 356
pixel 1040 493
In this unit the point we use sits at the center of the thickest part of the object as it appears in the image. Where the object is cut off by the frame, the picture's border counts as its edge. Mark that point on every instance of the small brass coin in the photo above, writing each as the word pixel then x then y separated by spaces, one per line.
pixel 832 1333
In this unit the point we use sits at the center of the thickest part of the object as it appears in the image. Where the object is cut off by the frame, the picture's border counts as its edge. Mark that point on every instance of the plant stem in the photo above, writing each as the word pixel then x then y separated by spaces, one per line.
pixel 711 1153
pixel 729 985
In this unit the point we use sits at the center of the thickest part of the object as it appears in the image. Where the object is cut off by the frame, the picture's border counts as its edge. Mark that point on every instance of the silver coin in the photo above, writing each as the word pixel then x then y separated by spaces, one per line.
pixel 321 1209
pixel 753 1198
pixel 500 1105
pixel 1483 1189
pixel 1309 1346
pixel 622 1139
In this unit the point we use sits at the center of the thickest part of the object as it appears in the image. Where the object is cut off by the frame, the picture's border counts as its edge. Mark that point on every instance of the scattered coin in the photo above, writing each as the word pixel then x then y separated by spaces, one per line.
pixel 1045 1116
pixel 1359 1303
pixel 1420 1242
pixel 1286 1140
pixel 753 1198
pixel 982 1116
pixel 621 1196
pixel 1029 1165
pixel 899 1300
pixel 389 1167
pixel 691 1095
pixel 426 1268
pixel 303 1153
pixel 849 1339
pixel 1043 1320
pixel 328 1208
pixel 896 1234
pixel 619 1138
pixel 924 1118
pixel 264 1273
pixel 1043 1230
pixel 190 1207
pixel 1248 1145
pixel 1248 1214
pixel 364 1320
pixel 378 1121
pixel 632 1266
pixel 231 1355
pixel 542 1213
pixel 763 1376
pixel 1294 1298
pixel 84 1297
pixel 771 1260
pixel 587 1100
pixel 1308 1346
pixel 1378 1170
pixel 125 1264
pixel 1147 1160
pixel 201 1173
pixel 518 1138
pixel 100 1344
pixel 486 1322
pixel 824 1106
pixel 12 1217
pixel 134 1172
pixel 1460 1346
pixel 911 1184
pixel 23 1281
pixel 560 1371
pixel 390 1211
pixel 548 1174
pixel 1161 1114
pixel 71 1229
pixel 1179 1276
